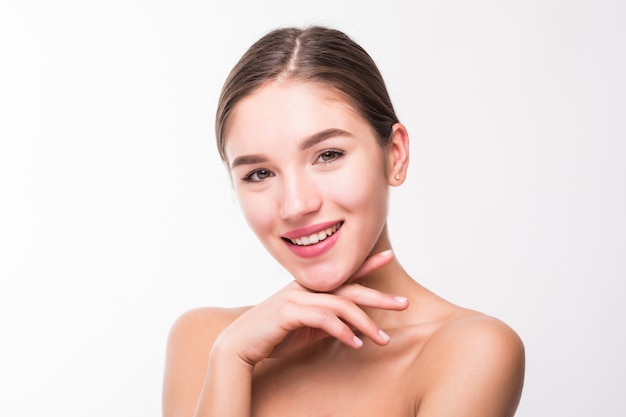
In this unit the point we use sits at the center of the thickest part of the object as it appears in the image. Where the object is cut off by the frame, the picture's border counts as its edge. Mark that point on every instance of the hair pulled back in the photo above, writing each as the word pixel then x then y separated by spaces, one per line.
pixel 315 54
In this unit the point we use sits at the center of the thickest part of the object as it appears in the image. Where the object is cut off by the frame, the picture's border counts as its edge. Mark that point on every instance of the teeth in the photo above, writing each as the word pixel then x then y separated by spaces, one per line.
pixel 315 237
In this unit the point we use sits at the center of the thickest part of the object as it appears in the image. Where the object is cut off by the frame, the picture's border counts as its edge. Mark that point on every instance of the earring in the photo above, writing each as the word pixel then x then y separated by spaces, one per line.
pixel 397 177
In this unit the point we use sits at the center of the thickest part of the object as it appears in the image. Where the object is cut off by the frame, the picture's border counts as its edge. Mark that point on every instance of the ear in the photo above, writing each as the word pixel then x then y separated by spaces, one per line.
pixel 398 155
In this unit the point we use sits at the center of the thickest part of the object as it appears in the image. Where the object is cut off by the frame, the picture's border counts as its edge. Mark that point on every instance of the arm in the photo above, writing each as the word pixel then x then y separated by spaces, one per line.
pixel 212 353
pixel 187 359
pixel 478 371
pixel 227 386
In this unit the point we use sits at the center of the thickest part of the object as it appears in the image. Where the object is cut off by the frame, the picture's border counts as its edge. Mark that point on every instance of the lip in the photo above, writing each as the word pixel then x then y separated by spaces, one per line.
pixel 309 230
pixel 318 249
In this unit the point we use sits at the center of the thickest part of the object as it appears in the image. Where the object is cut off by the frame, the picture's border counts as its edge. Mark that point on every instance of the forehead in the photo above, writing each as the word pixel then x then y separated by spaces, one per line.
pixel 288 112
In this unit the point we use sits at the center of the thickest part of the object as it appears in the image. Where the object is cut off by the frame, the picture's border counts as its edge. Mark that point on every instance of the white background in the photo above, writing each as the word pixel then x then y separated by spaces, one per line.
pixel 116 215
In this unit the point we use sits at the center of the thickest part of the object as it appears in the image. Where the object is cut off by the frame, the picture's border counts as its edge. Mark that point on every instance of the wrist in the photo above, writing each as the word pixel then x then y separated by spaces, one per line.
pixel 223 355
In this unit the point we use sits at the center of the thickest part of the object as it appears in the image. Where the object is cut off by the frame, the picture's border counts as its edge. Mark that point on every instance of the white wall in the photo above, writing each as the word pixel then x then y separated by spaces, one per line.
pixel 116 215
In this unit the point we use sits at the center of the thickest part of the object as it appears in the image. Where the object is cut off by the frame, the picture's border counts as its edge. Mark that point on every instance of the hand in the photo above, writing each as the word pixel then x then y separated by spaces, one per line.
pixel 295 317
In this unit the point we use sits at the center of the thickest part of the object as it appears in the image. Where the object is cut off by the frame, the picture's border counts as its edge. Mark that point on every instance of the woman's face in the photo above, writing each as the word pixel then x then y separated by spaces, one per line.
pixel 311 179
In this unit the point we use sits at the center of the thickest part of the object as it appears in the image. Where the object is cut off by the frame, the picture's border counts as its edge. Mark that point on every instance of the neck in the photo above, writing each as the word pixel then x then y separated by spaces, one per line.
pixel 392 279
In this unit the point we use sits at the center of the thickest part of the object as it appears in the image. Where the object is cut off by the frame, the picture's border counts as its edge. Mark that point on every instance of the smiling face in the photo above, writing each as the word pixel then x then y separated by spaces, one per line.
pixel 311 179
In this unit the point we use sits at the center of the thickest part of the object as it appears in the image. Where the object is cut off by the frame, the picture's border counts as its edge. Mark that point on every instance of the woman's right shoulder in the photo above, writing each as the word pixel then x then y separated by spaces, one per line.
pixel 201 326
pixel 188 349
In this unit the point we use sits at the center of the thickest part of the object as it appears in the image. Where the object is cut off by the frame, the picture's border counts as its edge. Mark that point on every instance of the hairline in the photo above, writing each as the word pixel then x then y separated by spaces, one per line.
pixel 328 90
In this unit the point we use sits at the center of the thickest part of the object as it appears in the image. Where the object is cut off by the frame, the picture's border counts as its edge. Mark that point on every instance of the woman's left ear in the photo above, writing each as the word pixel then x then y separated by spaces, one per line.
pixel 398 155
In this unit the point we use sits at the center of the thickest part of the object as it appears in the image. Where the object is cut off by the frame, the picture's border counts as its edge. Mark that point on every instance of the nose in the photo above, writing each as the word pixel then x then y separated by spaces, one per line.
pixel 300 197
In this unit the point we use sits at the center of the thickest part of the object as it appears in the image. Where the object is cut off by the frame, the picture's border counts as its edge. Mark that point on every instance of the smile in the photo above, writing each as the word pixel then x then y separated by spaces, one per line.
pixel 317 237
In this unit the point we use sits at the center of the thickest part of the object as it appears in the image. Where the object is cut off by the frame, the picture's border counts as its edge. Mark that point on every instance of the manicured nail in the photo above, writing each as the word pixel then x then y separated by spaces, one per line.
pixel 387 252
pixel 383 336
pixel 401 300
pixel 357 342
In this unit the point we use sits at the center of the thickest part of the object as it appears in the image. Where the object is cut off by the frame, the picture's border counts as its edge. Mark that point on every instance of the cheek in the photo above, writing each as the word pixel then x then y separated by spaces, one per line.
pixel 257 212
pixel 361 188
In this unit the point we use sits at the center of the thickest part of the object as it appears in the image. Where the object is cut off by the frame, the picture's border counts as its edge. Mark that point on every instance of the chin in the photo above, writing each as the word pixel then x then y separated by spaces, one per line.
pixel 317 286
pixel 321 279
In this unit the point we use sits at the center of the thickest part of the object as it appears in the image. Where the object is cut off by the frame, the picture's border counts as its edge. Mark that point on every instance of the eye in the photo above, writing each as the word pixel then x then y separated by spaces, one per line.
pixel 258 175
pixel 329 156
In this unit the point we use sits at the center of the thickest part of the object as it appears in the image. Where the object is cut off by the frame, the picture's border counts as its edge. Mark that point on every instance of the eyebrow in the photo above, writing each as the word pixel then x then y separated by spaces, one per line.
pixel 305 144
pixel 247 160
pixel 322 136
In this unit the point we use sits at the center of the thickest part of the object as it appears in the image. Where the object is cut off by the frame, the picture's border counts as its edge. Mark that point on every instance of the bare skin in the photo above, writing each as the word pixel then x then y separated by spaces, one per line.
pixel 441 360
pixel 347 337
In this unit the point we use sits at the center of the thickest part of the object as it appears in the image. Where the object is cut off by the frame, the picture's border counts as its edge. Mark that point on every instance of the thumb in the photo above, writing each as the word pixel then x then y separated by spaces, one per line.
pixel 372 263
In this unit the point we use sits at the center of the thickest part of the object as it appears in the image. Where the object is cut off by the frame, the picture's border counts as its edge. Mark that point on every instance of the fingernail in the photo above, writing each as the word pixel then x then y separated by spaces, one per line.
pixel 401 300
pixel 387 252
pixel 383 336
pixel 357 342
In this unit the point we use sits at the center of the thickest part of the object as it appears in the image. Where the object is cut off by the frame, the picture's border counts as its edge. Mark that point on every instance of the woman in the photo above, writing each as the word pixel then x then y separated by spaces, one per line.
pixel 307 131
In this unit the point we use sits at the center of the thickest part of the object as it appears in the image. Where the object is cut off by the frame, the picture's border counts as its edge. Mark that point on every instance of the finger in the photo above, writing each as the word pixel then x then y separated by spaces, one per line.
pixel 368 297
pixel 372 263
pixel 327 321
pixel 348 312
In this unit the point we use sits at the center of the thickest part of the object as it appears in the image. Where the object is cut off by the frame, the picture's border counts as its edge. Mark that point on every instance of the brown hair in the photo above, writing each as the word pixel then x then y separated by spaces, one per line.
pixel 315 54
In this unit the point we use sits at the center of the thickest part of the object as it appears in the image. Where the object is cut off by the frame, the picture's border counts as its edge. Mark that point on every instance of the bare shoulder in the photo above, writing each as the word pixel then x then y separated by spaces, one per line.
pixel 202 325
pixel 478 334
pixel 188 348
pixel 475 368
